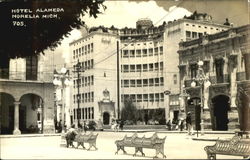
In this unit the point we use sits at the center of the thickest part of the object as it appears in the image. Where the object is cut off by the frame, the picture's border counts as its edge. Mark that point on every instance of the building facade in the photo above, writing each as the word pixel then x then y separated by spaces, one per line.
pixel 143 66
pixel 149 61
pixel 96 54
pixel 26 94
pixel 225 57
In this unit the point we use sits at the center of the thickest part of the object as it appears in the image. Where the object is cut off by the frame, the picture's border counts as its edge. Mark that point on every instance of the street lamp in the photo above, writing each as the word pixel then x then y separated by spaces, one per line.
pixel 61 80
pixel 203 81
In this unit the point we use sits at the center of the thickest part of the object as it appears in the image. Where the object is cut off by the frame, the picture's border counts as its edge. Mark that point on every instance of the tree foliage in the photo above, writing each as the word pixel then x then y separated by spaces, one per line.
pixel 40 34
pixel 129 111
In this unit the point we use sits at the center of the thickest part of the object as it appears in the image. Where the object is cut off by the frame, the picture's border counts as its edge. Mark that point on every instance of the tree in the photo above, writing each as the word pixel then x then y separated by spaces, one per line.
pixel 21 37
pixel 129 111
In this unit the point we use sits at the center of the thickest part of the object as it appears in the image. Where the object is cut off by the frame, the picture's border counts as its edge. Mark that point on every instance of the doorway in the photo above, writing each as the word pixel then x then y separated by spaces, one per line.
pixel 220 110
pixel 106 118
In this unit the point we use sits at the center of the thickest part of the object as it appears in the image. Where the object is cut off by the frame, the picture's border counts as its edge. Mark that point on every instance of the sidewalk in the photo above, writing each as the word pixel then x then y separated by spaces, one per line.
pixel 206 137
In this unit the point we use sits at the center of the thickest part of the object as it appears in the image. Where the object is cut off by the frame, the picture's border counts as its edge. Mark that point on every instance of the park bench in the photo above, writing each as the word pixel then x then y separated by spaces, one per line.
pixel 153 142
pixel 236 146
pixel 86 138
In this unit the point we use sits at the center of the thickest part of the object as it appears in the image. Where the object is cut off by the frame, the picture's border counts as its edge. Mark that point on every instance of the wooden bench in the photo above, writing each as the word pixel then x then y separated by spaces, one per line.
pixel 86 138
pixel 235 147
pixel 139 143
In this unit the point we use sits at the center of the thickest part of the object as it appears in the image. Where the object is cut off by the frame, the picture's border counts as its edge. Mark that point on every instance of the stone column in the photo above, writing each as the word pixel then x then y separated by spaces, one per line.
pixel 16 118
pixel 233 84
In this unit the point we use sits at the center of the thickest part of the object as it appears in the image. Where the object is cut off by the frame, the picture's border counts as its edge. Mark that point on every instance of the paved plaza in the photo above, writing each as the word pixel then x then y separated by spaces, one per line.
pixel 177 146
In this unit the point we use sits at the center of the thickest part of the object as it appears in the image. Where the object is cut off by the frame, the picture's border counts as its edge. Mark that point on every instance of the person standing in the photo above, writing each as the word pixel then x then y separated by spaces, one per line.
pixel 189 123
pixel 85 127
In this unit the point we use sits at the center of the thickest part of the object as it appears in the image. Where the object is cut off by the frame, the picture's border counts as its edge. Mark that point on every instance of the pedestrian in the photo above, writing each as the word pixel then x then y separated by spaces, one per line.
pixel 169 125
pixel 189 123
pixel 181 123
pixel 85 127
pixel 121 124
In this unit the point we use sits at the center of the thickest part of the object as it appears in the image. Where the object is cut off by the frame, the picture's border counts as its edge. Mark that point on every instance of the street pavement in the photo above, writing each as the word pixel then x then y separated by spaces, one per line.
pixel 177 146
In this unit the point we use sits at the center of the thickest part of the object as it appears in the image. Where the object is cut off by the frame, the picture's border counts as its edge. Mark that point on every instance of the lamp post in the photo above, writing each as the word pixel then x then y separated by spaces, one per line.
pixel 78 69
pixel 61 80
pixel 203 80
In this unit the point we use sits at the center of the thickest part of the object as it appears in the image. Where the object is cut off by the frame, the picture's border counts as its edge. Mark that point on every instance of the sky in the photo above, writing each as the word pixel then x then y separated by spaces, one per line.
pixel 121 13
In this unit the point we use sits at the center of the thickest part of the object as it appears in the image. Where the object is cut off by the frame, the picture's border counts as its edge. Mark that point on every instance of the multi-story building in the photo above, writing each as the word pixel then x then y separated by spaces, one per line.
pixel 147 65
pixel 226 65
pixel 149 62
pixel 26 94
pixel 96 54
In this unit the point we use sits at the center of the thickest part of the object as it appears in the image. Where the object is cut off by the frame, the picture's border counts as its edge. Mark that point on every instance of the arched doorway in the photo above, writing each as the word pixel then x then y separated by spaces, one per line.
pixel 220 111
pixel 31 114
pixel 195 108
pixel 6 113
pixel 106 118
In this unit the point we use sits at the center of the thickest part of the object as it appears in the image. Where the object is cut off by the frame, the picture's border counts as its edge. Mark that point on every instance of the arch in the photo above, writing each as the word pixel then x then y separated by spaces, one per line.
pixel 30 93
pixel 106 118
pixel 7 113
pixel 220 107
pixel 31 113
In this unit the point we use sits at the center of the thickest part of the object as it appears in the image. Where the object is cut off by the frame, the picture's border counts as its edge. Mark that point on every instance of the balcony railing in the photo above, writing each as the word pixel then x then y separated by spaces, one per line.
pixel 22 76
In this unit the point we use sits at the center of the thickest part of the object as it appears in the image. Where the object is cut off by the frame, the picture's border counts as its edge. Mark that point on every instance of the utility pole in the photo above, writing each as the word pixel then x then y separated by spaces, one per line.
pixel 78 70
pixel 118 82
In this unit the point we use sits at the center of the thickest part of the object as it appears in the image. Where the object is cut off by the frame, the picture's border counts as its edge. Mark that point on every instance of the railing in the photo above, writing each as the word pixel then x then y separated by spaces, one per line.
pixel 22 76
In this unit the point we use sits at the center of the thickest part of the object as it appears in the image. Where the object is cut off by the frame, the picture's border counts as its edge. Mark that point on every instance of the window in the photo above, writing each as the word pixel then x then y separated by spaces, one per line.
pixel 151 97
pixel 193 68
pixel 125 53
pixel 219 63
pixel 86 81
pixel 138 53
pixel 151 82
pixel 125 68
pixel 161 66
pixel 132 53
pixel 161 81
pixel 200 35
pixel 150 52
pixel 151 67
pixel 161 50
pixel 74 98
pixel 156 66
pixel 122 83
pixel 139 98
pixel 194 34
pixel 156 51
pixel 145 97
pixel 133 98
pixel 89 113
pixel 138 82
pixel 86 97
pixel 132 83
pixel 145 82
pixel 157 97
pixel 92 96
pixel 82 113
pixel 92 112
pixel 144 53
pixel 156 81
pixel 92 46
pixel 126 83
pixel 132 68
pixel 92 80
pixel 138 68
pixel 82 50
pixel 188 34
pixel 88 64
pixel 83 98
pixel 86 113
pixel 92 63
pixel 31 68
pixel 161 97
pixel 88 48
pixel 145 67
